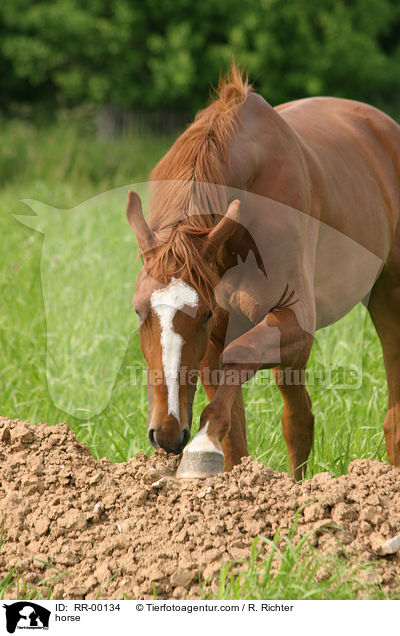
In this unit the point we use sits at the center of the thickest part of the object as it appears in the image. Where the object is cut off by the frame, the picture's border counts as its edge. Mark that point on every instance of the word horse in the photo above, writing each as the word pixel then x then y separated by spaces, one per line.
pixel 265 224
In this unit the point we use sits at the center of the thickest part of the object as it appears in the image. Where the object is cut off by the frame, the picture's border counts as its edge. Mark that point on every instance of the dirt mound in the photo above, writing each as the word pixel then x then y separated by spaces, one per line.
pixel 75 527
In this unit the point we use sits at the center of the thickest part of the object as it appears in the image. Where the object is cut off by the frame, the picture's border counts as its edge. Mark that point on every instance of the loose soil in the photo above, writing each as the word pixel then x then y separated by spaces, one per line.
pixel 75 527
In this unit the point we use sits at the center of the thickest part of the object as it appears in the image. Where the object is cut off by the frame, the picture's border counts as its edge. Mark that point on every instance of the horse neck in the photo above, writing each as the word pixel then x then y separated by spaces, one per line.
pixel 266 155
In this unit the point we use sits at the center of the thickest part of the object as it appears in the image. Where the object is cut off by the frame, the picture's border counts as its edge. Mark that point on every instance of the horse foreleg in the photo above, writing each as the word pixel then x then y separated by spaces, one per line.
pixel 297 418
pixel 277 340
pixel 198 461
pixel 234 443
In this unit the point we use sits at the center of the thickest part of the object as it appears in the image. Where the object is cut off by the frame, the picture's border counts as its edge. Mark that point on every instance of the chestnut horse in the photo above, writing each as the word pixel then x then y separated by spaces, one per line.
pixel 265 225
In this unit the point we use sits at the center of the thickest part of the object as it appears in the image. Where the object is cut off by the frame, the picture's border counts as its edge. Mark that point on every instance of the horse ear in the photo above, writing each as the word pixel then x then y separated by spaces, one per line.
pixel 136 220
pixel 223 230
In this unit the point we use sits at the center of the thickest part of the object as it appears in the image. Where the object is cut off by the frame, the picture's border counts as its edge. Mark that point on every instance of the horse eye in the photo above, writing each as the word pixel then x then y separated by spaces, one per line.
pixel 138 314
pixel 207 318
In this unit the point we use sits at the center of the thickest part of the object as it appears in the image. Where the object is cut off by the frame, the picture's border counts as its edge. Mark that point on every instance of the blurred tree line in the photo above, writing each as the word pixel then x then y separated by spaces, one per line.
pixel 164 54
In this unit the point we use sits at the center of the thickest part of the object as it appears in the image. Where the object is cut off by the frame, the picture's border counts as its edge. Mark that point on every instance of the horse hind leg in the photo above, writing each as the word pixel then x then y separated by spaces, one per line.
pixel 384 307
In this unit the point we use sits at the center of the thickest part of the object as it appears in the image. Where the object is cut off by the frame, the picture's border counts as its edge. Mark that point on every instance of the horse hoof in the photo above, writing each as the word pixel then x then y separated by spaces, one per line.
pixel 199 465
pixel 203 457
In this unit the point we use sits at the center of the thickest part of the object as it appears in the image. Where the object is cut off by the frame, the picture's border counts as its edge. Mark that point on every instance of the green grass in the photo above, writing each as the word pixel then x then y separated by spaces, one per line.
pixel 88 271
pixel 63 166
pixel 297 571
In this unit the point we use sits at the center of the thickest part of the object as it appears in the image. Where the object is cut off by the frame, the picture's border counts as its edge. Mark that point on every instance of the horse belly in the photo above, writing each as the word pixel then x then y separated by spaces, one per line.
pixel 345 273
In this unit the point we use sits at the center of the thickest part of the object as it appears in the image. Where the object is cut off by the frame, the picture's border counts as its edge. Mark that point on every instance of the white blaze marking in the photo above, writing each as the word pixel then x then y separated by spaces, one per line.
pixel 166 302
pixel 201 443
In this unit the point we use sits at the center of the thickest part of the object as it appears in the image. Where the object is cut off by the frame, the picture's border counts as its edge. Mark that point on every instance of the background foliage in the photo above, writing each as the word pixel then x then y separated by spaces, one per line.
pixel 164 53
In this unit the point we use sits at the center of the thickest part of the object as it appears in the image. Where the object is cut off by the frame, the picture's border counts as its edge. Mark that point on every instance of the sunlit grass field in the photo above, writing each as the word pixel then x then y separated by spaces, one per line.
pixel 69 347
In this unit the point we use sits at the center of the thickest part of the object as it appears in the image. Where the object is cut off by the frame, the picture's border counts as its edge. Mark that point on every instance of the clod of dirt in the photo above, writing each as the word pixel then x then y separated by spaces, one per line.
pixel 120 530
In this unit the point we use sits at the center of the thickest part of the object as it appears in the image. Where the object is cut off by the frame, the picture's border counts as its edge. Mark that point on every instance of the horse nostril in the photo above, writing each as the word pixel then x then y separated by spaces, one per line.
pixel 186 436
pixel 152 438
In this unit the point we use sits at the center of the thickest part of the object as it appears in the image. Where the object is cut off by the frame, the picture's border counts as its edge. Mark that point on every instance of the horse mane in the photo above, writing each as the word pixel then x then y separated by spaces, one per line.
pixel 185 204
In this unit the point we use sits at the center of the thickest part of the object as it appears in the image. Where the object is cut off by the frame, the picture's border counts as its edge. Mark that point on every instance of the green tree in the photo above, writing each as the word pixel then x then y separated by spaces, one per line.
pixel 164 53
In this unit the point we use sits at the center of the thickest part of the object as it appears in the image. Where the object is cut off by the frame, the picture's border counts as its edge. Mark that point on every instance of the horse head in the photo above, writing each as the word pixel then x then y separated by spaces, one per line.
pixel 176 316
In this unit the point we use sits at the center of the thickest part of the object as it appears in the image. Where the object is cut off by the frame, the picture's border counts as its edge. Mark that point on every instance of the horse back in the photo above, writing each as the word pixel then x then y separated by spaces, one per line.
pixel 353 156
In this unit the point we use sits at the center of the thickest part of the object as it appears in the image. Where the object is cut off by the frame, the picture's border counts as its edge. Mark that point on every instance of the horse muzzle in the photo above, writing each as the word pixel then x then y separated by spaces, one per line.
pixel 168 438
